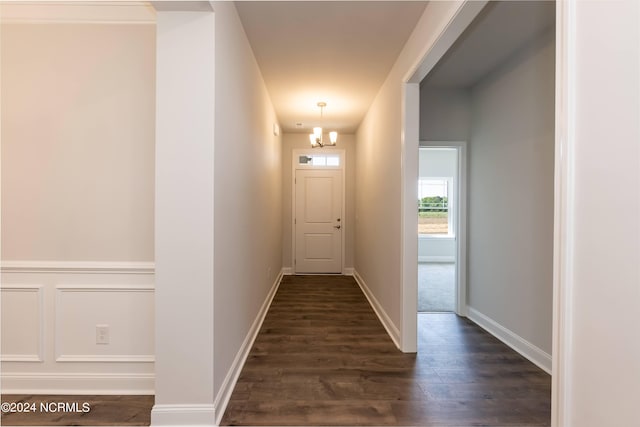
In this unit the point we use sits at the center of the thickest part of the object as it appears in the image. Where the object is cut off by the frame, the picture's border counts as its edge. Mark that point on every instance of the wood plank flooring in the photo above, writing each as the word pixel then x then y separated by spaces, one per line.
pixel 323 358
pixel 104 411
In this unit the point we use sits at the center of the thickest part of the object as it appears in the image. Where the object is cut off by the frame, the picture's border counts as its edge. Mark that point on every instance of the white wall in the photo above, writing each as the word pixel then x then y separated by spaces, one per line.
pixel 78 129
pixel 437 163
pixel 78 141
pixel 444 114
pixel 511 194
pixel 293 141
pixel 601 287
pixel 248 201
pixel 240 157
pixel 378 173
pixel 184 218
pixel 436 249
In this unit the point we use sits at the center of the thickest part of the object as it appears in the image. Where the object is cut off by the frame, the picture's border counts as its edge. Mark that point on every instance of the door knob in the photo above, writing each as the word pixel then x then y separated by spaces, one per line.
pixel 336 226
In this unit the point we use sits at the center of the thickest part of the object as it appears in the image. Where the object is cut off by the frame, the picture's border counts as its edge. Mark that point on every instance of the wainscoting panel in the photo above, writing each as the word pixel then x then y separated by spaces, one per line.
pixel 50 311
pixel 128 326
pixel 22 323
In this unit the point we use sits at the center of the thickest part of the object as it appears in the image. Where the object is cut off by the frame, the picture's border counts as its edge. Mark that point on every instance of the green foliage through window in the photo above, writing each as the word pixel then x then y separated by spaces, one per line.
pixel 433 204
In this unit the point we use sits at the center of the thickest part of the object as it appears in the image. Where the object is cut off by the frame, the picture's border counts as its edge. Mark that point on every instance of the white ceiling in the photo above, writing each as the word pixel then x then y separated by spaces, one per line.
pixel 496 34
pixel 339 52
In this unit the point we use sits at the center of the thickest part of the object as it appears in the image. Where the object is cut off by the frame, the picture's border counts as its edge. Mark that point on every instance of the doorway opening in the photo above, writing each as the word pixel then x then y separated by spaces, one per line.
pixel 439 215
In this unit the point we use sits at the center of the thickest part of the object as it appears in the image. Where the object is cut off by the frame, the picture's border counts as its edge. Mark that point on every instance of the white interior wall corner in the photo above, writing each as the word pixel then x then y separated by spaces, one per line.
pixel 184 243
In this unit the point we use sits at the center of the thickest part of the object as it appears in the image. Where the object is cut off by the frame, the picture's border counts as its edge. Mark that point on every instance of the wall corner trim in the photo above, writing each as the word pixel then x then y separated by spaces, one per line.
pixel 287 271
pixel 182 415
pixel 391 329
pixel 531 352
pixel 229 383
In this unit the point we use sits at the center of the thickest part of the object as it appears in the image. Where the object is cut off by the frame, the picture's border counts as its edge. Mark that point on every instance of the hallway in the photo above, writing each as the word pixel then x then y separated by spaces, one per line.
pixel 148 218
pixel 323 358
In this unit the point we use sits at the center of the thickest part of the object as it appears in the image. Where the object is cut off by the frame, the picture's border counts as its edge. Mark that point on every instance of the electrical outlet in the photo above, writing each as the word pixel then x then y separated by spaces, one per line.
pixel 269 273
pixel 102 334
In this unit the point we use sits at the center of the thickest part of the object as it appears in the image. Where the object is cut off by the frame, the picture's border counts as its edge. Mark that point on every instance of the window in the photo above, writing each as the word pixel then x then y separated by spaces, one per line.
pixel 329 160
pixel 434 210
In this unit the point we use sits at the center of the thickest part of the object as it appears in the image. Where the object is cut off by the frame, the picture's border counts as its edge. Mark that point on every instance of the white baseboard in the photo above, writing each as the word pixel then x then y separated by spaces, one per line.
pixel 287 271
pixel 392 330
pixel 534 354
pixel 436 259
pixel 77 383
pixel 182 415
pixel 229 383
pixel 347 271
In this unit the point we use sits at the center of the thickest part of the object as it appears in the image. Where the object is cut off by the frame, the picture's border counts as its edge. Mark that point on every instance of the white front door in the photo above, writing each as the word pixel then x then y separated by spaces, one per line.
pixel 318 221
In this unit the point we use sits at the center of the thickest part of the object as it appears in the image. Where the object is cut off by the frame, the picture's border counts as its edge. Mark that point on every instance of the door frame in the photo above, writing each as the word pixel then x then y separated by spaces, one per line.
pixel 460 219
pixel 410 136
pixel 564 198
pixel 295 165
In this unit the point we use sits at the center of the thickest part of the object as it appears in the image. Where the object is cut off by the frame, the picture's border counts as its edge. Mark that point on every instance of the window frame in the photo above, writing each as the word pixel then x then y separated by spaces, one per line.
pixel 450 182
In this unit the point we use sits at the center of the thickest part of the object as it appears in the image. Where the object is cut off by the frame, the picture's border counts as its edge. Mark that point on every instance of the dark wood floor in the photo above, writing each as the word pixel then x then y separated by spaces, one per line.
pixel 104 411
pixel 323 358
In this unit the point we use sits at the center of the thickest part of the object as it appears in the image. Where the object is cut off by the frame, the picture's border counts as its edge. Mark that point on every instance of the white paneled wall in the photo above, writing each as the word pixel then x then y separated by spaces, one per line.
pixel 78 149
pixel 22 304
pixel 50 311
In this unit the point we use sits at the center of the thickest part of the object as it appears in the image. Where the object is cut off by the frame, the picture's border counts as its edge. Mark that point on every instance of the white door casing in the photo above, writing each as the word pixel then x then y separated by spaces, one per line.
pixel 459 218
pixel 318 221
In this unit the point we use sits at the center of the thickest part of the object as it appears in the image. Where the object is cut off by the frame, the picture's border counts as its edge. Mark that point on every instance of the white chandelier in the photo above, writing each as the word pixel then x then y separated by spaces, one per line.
pixel 316 137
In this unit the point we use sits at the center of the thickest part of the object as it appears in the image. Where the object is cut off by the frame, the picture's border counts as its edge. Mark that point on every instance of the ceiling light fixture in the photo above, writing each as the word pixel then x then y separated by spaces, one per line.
pixel 316 137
